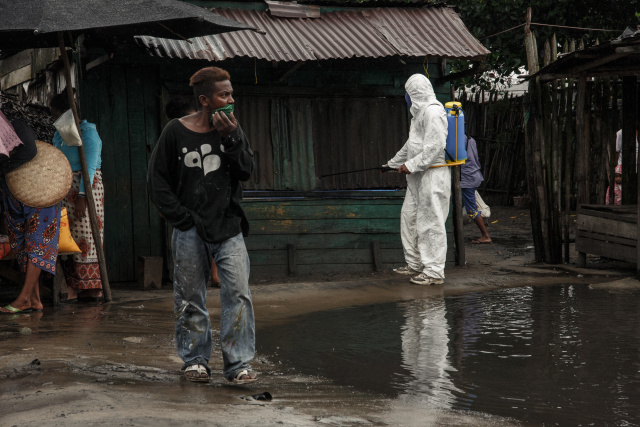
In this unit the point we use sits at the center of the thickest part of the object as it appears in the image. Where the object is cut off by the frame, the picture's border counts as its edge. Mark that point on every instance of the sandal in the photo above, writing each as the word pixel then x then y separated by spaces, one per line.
pixel 197 374
pixel 245 376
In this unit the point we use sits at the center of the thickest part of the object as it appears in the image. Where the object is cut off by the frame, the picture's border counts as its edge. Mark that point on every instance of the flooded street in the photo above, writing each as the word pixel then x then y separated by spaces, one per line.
pixel 554 355
pixel 504 342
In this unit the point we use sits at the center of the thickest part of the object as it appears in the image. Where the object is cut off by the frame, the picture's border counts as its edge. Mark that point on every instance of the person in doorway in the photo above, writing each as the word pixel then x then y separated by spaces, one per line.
pixel 470 179
pixel 194 179
pixel 177 108
pixel 426 203
pixel 82 271
pixel 33 232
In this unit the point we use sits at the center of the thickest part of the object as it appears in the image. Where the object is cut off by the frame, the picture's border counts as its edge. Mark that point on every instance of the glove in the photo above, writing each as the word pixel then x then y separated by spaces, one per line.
pixel 386 168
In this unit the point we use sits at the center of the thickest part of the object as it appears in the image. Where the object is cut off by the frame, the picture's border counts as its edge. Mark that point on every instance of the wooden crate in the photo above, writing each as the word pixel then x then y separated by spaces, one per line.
pixel 609 231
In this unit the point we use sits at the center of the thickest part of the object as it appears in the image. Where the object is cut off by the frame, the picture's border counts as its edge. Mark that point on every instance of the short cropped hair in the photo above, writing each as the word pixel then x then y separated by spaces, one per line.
pixel 204 80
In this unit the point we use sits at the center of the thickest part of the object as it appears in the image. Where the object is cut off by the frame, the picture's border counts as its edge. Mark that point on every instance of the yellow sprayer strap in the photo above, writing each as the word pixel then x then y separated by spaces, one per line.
pixel 458 163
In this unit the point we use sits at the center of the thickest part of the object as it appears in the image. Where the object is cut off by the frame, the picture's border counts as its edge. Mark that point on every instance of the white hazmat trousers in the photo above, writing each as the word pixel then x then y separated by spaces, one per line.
pixel 426 203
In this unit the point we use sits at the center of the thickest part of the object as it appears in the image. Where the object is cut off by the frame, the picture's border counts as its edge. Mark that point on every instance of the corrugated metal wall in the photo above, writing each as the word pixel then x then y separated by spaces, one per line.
pixel 358 133
pixel 298 139
pixel 253 113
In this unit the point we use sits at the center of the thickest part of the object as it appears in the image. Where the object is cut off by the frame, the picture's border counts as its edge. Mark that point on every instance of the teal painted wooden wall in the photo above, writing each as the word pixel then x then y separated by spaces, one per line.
pixel 330 236
pixel 123 102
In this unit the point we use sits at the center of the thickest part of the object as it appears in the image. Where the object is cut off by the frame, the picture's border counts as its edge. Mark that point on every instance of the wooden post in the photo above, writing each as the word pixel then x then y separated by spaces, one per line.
pixel 375 253
pixel 93 216
pixel 458 231
pixel 582 147
pixel 291 257
pixel 629 129
pixel 537 228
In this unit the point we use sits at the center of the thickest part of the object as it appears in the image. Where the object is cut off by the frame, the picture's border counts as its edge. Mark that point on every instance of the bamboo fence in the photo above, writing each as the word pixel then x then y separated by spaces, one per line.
pixel 570 136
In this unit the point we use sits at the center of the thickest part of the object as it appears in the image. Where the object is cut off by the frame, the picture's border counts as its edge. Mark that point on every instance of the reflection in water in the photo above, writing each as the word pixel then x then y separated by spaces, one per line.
pixel 425 345
pixel 562 355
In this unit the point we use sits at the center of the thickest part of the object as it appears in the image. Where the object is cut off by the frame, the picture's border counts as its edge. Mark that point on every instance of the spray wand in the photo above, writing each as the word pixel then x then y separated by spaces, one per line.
pixel 378 168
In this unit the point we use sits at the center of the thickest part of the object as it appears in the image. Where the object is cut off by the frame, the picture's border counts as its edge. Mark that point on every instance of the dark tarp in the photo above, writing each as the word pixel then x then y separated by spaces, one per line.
pixel 34 23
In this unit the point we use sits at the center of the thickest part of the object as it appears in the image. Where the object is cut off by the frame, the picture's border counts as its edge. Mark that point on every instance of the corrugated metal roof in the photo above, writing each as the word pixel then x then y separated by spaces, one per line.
pixel 363 33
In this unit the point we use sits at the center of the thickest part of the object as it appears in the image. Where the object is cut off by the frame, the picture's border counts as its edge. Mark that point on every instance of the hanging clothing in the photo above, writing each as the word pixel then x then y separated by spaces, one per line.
pixel 82 270
pixel 33 232
pixel 426 204
pixel 92 150
pixel 8 137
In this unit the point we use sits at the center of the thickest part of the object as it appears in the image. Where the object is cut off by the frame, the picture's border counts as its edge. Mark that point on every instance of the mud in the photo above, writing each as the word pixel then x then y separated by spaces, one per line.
pixel 116 363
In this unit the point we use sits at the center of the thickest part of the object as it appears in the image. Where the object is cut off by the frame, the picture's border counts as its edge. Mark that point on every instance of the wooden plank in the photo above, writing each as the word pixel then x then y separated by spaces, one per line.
pixel 610 250
pixel 122 218
pixel 323 256
pixel 97 108
pixel 322 195
pixel 301 212
pixel 325 226
pixel 606 226
pixel 16 77
pixel 622 217
pixel 313 201
pixel 152 115
pixel 631 242
pixel 138 158
pixel 15 62
pixel 322 241
pixel 317 269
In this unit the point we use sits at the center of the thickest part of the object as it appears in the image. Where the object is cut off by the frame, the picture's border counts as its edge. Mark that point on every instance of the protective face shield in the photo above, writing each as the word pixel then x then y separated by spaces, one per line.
pixel 407 98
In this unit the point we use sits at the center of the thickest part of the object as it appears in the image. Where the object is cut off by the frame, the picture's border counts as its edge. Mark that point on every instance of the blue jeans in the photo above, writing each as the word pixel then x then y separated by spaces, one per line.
pixel 192 258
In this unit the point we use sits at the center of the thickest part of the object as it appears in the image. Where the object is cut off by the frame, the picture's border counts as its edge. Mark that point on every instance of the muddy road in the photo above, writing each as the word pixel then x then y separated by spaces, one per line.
pixel 116 363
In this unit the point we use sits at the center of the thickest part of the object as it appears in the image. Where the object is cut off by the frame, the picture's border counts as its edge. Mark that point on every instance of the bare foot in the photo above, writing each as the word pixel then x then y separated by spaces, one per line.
pixel 481 240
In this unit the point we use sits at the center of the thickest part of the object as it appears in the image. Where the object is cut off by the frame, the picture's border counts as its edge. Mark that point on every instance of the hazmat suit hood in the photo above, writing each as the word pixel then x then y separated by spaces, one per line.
pixel 421 93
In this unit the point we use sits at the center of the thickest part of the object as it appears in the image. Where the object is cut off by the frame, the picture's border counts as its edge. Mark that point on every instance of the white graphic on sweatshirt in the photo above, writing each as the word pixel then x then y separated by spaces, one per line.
pixel 205 161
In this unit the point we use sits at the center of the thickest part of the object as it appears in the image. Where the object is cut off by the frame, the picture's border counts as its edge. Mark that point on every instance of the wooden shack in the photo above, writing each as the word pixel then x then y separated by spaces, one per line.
pixel 605 230
pixel 321 93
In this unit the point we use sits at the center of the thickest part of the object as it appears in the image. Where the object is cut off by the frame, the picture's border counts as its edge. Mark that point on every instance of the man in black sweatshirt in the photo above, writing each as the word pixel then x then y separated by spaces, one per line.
pixel 194 180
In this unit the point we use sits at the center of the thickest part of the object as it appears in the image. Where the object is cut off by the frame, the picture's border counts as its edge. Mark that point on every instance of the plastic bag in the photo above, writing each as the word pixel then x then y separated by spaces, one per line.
pixel 485 210
pixel 66 126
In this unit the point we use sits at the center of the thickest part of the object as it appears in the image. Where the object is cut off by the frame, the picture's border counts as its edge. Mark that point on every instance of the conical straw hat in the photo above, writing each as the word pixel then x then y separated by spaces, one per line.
pixel 44 180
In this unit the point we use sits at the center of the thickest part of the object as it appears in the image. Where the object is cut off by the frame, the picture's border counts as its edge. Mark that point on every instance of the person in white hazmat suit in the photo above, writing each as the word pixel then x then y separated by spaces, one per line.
pixel 426 203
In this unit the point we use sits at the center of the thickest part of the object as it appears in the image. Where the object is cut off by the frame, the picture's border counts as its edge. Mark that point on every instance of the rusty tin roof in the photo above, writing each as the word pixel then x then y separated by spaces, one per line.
pixel 362 33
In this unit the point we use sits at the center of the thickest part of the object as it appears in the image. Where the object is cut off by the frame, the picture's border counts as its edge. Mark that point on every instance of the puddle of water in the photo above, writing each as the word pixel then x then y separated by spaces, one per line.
pixel 562 355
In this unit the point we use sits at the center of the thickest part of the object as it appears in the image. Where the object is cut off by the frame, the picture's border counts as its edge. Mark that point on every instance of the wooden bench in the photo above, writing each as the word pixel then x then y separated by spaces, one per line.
pixel 608 231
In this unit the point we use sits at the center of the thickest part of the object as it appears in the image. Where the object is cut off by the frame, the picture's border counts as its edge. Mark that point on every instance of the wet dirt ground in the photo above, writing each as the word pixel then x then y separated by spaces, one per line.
pixel 116 363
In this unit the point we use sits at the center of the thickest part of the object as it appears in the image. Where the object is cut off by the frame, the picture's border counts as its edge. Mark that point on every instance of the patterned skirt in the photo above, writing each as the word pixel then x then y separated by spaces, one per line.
pixel 33 232
pixel 82 271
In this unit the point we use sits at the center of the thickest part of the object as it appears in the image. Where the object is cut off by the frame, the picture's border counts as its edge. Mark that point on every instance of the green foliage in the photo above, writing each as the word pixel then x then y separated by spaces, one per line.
pixel 486 18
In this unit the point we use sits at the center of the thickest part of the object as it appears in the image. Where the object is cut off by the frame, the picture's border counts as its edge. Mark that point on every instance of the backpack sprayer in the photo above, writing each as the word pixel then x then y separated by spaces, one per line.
pixel 455 153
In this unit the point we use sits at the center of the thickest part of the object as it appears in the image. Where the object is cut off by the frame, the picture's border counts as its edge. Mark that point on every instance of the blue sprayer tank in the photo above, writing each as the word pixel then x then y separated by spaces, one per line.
pixel 456 151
